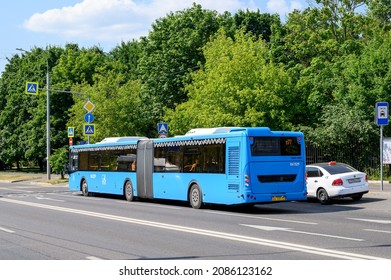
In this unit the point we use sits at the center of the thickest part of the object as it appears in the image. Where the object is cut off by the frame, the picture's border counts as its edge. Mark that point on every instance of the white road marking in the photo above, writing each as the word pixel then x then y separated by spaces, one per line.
pixel 92 258
pixel 372 221
pixel 301 232
pixel 6 230
pixel 376 230
pixel 203 232
pixel 47 198
pixel 262 218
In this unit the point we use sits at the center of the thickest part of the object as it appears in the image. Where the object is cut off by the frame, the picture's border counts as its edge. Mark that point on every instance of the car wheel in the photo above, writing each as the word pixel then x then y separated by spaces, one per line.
pixel 357 197
pixel 195 197
pixel 323 197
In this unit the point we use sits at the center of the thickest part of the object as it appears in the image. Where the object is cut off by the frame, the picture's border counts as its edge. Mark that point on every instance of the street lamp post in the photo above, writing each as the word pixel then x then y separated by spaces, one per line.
pixel 47 120
pixel 48 169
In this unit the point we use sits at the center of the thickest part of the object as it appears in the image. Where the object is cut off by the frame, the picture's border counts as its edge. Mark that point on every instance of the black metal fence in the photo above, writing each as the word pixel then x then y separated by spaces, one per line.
pixel 363 157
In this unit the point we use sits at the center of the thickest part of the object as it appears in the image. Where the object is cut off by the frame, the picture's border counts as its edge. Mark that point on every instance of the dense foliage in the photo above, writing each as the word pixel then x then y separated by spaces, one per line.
pixel 321 71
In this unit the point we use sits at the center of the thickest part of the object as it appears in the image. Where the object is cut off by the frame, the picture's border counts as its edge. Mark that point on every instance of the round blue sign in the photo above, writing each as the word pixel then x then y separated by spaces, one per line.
pixel 89 117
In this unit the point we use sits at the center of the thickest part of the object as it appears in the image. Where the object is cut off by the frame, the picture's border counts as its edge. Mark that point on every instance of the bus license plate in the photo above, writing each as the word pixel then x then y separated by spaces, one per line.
pixel 278 198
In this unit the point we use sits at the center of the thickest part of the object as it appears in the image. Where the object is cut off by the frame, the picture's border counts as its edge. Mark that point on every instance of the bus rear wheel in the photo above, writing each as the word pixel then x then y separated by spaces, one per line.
pixel 128 191
pixel 195 197
pixel 84 188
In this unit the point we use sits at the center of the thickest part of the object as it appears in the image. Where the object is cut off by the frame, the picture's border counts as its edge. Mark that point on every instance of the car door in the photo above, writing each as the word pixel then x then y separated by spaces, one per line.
pixel 314 177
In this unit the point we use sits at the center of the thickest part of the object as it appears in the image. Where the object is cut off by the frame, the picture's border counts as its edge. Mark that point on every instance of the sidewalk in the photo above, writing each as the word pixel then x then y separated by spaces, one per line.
pixel 13 177
pixel 376 189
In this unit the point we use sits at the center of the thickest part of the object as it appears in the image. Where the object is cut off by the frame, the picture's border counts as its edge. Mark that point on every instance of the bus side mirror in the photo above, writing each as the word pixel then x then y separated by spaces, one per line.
pixel 68 168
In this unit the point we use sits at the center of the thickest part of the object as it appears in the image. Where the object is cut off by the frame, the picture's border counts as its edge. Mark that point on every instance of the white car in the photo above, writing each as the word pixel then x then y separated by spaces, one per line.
pixel 329 180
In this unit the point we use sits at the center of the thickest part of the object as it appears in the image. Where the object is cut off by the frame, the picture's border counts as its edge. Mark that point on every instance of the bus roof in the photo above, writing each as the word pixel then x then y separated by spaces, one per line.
pixel 197 133
pixel 248 130
pixel 212 130
pixel 121 139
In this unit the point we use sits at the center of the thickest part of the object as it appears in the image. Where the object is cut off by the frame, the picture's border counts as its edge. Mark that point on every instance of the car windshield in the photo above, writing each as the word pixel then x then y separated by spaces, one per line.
pixel 338 168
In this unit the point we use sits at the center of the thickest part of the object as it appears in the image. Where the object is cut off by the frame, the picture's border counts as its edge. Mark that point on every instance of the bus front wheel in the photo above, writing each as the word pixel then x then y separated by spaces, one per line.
pixel 84 188
pixel 195 197
pixel 128 191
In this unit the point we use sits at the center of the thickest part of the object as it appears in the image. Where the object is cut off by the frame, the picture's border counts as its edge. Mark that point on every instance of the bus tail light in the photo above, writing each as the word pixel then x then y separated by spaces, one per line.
pixel 247 180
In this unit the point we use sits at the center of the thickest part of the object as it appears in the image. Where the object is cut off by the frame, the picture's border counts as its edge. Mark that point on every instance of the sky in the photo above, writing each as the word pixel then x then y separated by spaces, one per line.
pixel 27 24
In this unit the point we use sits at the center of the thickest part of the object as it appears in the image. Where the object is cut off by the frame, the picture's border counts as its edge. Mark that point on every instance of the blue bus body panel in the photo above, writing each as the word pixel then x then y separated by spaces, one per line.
pixel 102 182
pixel 277 170
pixel 176 187
pixel 277 176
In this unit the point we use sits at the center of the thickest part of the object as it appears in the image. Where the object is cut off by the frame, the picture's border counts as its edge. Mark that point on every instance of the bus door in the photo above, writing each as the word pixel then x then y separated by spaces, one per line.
pixel 144 168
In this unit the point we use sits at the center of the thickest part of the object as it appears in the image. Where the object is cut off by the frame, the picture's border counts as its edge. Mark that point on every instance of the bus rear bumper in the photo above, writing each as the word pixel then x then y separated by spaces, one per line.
pixel 278 197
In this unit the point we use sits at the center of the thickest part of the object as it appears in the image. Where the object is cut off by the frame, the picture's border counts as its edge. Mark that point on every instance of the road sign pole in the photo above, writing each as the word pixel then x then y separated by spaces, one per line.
pixel 381 116
pixel 381 158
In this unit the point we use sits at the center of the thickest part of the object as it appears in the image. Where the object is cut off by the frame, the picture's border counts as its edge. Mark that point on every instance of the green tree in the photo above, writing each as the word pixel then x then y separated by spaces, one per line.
pixel 345 133
pixel 342 18
pixel 58 161
pixel 237 86
pixel 380 12
pixel 258 24
pixel 124 59
pixel 117 108
pixel 171 51
pixel 23 118
pixel 35 130
pixel 12 81
pixel 78 65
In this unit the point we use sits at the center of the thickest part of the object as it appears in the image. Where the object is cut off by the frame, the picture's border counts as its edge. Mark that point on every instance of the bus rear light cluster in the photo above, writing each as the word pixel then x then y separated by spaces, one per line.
pixel 247 180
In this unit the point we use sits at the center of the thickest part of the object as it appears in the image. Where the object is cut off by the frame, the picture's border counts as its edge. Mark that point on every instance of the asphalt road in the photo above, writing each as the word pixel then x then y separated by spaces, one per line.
pixel 44 222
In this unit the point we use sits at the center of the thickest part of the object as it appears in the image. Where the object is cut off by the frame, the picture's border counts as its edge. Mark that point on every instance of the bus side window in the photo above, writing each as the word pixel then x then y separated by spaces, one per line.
pixel 195 167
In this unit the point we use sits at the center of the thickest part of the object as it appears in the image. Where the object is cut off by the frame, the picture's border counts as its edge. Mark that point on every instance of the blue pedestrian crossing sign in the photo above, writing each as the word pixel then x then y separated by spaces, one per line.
pixel 162 128
pixel 31 88
pixel 71 132
pixel 89 129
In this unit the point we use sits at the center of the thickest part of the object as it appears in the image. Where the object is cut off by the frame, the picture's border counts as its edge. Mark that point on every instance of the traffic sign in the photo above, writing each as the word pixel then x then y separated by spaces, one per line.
pixel 70 141
pixel 89 129
pixel 89 106
pixel 71 132
pixel 89 117
pixel 162 128
pixel 382 113
pixel 32 88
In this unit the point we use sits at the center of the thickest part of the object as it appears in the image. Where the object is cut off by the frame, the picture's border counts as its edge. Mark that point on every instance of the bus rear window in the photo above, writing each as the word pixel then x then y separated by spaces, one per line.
pixel 275 146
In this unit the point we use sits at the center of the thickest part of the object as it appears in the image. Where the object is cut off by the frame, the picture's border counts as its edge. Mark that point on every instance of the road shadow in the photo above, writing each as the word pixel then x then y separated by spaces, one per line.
pixel 310 206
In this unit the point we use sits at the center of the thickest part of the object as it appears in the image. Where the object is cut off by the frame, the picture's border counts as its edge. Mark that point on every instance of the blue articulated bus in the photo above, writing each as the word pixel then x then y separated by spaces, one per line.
pixel 224 165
